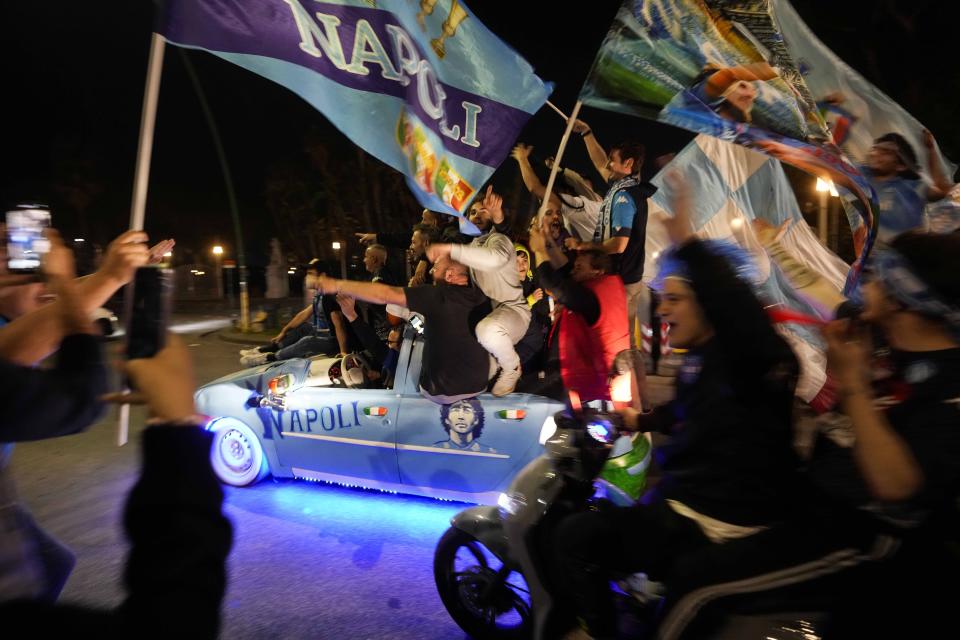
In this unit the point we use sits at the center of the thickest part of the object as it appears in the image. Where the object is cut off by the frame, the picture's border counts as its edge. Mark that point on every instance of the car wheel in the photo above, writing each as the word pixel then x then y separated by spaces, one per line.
pixel 237 455
pixel 490 601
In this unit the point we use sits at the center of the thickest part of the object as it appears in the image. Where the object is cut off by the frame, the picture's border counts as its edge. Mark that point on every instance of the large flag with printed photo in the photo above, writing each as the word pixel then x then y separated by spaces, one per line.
pixel 732 186
pixel 425 87
pixel 856 112
pixel 721 68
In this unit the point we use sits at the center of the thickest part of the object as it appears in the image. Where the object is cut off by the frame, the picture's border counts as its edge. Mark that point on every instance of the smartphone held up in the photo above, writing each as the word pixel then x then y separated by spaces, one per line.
pixel 26 242
pixel 148 311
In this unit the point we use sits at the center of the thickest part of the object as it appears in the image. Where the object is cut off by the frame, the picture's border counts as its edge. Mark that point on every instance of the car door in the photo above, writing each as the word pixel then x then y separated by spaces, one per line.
pixel 340 435
pixel 468 450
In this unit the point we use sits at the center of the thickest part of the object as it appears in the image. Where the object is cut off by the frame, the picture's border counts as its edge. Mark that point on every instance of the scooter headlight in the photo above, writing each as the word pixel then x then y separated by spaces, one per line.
pixel 511 503
pixel 547 430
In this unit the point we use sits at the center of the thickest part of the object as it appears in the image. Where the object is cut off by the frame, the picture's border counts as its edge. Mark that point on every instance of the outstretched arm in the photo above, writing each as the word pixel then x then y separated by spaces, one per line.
pixel 598 156
pixel 33 337
pixel 491 257
pixel 941 184
pixel 521 153
pixel 374 292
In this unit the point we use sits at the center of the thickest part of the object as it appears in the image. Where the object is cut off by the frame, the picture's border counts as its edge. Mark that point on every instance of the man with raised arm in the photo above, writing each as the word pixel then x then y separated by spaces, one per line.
pixel 455 366
pixel 493 266
pixel 622 225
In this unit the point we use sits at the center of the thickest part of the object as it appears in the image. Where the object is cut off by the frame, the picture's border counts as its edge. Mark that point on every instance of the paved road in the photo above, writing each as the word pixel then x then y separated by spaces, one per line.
pixel 309 560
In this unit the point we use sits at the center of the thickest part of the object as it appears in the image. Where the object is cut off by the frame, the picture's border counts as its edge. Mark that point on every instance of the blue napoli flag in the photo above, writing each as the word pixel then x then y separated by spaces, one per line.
pixel 731 187
pixel 425 87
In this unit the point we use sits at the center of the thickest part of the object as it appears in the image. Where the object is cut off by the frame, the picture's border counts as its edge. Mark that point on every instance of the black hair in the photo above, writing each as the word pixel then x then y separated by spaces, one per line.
pixel 599 259
pixel 935 259
pixel 477 411
pixel 631 150
pixel 432 233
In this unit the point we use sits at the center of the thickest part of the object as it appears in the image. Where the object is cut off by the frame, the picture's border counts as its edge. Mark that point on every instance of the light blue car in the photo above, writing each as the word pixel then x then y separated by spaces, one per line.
pixel 299 418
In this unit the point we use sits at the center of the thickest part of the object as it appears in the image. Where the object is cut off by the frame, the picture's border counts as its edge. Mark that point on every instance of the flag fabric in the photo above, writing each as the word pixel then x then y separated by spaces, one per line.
pixel 732 186
pixel 857 112
pixel 721 68
pixel 425 87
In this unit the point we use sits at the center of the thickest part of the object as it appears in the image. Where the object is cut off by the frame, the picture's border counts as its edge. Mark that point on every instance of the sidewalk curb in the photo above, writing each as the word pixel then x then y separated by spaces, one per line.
pixel 239 338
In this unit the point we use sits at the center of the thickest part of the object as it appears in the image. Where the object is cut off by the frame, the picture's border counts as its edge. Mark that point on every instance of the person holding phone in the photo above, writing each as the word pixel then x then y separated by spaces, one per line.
pixel 175 575
pixel 46 403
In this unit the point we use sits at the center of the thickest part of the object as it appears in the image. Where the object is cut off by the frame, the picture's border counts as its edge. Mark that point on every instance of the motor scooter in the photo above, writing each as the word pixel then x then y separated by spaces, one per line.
pixel 494 569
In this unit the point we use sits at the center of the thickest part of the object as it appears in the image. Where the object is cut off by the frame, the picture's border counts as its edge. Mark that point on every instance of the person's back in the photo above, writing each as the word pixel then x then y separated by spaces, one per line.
pixel 455 365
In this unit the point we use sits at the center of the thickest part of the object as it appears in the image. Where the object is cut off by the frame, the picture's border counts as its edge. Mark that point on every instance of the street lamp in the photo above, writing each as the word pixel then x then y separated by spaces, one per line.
pixel 217 258
pixel 824 188
pixel 343 259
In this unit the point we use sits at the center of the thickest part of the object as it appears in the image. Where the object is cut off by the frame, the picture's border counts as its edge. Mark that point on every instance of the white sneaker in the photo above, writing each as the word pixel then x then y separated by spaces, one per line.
pixel 249 352
pixel 254 360
pixel 507 382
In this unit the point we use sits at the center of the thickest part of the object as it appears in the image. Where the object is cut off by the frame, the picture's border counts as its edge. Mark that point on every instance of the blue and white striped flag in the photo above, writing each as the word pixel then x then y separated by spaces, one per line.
pixel 732 186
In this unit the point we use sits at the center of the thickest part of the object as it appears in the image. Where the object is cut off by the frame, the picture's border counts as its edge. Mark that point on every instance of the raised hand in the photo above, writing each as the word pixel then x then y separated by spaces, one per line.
pixel 162 247
pixel 679 227
pixel 493 203
pixel 521 152
pixel 366 238
pixel 125 255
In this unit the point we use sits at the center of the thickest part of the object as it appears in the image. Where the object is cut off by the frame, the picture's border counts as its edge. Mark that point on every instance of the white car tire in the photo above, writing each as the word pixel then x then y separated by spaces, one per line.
pixel 236 454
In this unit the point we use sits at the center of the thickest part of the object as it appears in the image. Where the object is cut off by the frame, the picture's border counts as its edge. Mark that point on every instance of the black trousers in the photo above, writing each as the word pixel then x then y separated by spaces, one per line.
pixel 807 563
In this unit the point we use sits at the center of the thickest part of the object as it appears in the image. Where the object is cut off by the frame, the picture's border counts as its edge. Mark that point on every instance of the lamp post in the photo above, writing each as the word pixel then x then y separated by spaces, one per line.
pixel 343 258
pixel 217 258
pixel 824 188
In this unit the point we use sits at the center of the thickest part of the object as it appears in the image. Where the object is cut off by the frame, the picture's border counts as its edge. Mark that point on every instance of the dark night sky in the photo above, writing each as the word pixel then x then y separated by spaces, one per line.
pixel 73 76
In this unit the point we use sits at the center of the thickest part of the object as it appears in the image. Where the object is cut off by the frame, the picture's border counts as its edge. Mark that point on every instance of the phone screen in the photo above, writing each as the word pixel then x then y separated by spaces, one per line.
pixel 26 244
pixel 148 314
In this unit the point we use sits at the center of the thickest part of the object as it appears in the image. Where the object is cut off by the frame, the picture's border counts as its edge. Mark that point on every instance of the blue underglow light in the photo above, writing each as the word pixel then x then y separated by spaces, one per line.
pixel 368 515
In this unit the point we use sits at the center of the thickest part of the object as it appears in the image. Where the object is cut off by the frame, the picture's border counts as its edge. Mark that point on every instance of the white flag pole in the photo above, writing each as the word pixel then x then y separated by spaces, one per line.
pixel 148 119
pixel 558 157
pixel 560 113
pixel 141 179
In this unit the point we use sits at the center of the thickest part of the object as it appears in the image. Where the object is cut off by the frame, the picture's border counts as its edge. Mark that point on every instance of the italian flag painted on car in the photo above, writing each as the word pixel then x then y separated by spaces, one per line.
pixel 512 414
pixel 374 411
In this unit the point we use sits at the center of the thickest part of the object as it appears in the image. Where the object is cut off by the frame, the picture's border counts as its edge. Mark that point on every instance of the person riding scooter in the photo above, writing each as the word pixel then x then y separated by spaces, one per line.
pixel 729 466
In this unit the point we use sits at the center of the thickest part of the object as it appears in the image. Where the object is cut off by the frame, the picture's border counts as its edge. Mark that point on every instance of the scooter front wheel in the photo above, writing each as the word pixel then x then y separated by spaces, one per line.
pixel 488 598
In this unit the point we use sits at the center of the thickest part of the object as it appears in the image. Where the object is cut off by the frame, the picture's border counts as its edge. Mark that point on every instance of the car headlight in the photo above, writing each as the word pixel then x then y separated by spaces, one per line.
pixel 511 503
pixel 547 430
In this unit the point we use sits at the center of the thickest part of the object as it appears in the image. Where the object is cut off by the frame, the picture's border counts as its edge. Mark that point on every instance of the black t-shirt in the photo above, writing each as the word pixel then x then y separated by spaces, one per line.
pixel 454 363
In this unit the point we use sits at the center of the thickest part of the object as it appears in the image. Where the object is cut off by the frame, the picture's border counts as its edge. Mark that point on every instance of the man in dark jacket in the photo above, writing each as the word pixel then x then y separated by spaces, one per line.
pixel 46 403
pixel 176 571
pixel 729 466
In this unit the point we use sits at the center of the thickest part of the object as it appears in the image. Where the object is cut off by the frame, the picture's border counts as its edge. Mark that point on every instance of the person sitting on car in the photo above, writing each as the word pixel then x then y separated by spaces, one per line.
pixel 455 365
pixel 310 332
pixel 492 261
pixel 592 318
pixel 383 356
